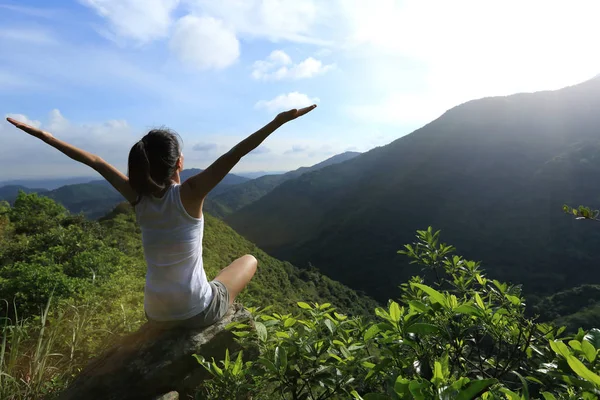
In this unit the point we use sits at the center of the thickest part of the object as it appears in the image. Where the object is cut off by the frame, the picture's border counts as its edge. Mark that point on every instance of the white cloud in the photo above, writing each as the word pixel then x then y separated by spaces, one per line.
pixel 286 102
pixel 140 20
pixel 204 42
pixel 277 67
pixel 271 19
pixel 23 118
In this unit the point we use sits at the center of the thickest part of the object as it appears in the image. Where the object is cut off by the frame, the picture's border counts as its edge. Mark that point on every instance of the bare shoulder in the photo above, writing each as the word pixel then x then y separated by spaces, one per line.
pixel 191 203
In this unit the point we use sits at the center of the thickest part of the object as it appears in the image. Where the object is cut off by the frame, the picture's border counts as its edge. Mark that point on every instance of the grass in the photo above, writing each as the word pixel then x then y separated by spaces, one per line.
pixel 39 356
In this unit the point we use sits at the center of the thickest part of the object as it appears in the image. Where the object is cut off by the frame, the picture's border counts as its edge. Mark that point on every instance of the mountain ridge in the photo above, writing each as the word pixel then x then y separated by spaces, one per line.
pixel 460 173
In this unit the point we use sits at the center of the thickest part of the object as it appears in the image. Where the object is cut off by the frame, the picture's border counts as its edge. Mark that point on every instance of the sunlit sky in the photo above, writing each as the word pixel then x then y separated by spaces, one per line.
pixel 99 73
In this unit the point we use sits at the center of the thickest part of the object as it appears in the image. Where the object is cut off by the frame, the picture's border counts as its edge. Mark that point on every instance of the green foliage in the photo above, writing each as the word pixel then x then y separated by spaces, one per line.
pixel 33 214
pixel 582 212
pixel 94 273
pixel 463 337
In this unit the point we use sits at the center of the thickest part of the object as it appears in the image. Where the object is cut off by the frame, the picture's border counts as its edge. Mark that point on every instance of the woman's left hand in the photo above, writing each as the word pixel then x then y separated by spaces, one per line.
pixel 33 131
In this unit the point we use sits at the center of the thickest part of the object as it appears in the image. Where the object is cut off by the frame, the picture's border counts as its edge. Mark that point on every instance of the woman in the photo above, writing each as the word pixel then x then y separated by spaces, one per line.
pixel 169 213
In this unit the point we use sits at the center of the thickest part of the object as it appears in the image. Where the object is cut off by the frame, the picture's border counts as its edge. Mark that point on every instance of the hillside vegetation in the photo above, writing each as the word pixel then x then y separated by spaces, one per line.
pixel 79 286
pixel 91 274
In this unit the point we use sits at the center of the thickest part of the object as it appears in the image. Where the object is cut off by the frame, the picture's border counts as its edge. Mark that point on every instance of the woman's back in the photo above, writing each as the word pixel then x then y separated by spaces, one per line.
pixel 176 283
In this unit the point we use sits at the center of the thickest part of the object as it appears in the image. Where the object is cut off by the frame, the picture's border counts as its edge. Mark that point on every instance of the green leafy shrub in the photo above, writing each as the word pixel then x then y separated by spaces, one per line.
pixel 464 336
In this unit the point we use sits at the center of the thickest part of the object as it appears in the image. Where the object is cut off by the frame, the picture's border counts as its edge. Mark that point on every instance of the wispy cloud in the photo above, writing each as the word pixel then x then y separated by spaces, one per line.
pixel 260 150
pixel 141 21
pixel 29 36
pixel 297 149
pixel 279 66
pixel 286 101
pixel 205 147
pixel 31 11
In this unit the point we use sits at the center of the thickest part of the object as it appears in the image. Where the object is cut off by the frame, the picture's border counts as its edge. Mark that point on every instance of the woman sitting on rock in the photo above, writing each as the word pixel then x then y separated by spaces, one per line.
pixel 169 212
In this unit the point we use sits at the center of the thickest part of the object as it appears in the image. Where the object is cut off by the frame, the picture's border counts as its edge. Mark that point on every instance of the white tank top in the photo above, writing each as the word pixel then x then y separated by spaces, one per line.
pixel 176 284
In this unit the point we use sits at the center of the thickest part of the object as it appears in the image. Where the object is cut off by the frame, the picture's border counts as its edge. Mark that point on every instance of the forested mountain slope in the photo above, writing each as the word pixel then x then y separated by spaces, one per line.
pixel 492 174
pixel 236 197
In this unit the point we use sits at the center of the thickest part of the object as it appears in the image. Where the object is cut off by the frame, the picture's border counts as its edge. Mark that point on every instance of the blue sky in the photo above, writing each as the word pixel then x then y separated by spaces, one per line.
pixel 98 73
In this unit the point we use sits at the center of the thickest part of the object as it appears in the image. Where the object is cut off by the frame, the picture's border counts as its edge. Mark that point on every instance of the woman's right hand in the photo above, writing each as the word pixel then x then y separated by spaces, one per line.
pixel 33 131
pixel 287 116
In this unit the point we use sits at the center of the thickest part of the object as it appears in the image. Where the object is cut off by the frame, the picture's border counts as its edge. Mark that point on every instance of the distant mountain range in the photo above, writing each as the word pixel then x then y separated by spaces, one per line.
pixel 258 174
pixel 492 174
pixel 96 197
pixel 49 183
pixel 239 196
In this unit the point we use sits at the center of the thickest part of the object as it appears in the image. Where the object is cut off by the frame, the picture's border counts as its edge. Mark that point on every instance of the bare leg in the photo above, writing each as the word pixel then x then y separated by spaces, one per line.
pixel 237 275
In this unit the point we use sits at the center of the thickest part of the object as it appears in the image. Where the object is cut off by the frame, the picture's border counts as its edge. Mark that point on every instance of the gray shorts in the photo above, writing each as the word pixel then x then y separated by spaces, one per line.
pixel 214 312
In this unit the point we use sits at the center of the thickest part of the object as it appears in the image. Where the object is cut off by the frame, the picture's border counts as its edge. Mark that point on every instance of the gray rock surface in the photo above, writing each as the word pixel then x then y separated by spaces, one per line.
pixel 153 362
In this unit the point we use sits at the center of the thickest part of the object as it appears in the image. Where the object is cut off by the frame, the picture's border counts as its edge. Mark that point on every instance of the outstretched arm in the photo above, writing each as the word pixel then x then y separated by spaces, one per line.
pixel 199 185
pixel 110 173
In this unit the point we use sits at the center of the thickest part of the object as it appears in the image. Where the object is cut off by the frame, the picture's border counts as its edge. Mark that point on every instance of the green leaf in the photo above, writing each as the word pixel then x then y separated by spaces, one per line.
pixel 401 387
pixel 329 325
pixel 434 295
pixel 513 299
pixel 280 358
pixel 261 331
pixel 395 312
pixel 418 306
pixel 237 367
pixel 510 395
pixel 593 336
pixel 416 389
pixel 381 313
pixel 268 364
pixel 371 332
pixel 324 306
pixel 548 396
pixel 475 389
pixel 304 305
pixel 575 344
pixel 289 322
pixel 479 301
pixel 588 350
pixel 422 328
pixel 438 375
pixel 218 370
pixel 341 317
pixel 525 395
pixel 466 309
pixel 368 365
pixel 560 348
pixel 583 371
pixel 283 335
pixel 226 361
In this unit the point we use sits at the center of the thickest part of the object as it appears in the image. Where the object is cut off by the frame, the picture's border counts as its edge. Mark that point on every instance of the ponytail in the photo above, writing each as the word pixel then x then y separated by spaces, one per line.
pixel 152 162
